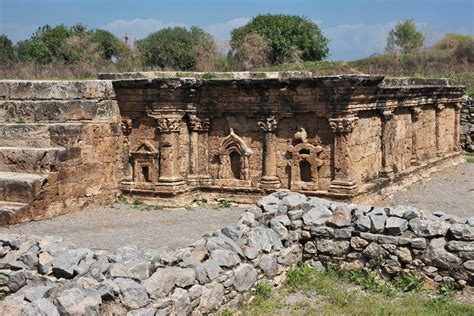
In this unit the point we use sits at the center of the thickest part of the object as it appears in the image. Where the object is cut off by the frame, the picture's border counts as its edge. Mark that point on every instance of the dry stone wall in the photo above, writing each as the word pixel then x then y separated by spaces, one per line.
pixel 45 275
pixel 467 124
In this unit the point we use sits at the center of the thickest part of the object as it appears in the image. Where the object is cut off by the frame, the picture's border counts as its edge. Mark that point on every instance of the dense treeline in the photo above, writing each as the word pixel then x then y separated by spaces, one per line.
pixel 267 41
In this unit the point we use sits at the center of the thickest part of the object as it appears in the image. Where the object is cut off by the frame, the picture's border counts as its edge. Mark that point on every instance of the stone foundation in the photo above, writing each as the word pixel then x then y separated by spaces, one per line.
pixel 221 269
pixel 467 124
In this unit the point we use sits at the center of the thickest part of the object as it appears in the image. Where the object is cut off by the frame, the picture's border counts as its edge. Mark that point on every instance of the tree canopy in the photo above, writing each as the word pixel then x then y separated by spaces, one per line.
pixel 289 37
pixel 6 49
pixel 404 38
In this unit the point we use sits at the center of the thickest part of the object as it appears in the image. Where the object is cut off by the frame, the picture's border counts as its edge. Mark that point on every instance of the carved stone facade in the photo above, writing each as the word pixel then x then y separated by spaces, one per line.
pixel 341 137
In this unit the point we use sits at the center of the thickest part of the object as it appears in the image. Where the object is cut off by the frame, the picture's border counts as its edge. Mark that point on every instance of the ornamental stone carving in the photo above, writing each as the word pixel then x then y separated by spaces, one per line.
pixel 268 124
pixel 168 125
pixel 342 125
pixel 197 124
pixel 126 126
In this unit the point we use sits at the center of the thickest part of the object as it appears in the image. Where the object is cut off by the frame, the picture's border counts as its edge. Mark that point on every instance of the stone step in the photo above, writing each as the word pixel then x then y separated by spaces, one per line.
pixel 37 134
pixel 13 212
pixel 20 187
pixel 31 159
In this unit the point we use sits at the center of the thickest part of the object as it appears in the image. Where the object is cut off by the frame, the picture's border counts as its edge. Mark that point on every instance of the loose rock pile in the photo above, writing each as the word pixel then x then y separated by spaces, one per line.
pixel 467 124
pixel 50 277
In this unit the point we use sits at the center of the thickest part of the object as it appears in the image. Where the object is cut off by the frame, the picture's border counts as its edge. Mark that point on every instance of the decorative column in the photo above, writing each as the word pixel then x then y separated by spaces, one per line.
pixel 439 110
pixel 415 117
pixel 199 150
pixel 269 176
pixel 126 126
pixel 169 150
pixel 457 126
pixel 388 142
pixel 343 181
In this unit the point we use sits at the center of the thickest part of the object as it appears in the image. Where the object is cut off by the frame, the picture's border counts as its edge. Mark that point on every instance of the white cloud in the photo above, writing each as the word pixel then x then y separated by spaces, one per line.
pixel 137 28
pixel 222 30
pixel 351 41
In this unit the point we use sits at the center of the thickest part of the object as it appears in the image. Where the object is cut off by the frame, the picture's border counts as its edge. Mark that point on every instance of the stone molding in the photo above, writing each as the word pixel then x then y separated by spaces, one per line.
pixel 168 125
pixel 268 124
pixel 197 124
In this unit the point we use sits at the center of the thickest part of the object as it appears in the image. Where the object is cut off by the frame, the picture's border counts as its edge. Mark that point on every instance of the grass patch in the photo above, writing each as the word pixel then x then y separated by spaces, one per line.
pixel 224 204
pixel 308 292
pixel 470 159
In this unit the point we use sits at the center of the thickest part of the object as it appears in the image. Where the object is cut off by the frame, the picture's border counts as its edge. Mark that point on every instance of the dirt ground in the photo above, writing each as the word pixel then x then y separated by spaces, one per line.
pixel 450 191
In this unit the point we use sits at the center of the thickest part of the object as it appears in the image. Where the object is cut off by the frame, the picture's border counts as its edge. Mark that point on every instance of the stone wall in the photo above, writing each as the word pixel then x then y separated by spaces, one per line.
pixel 45 275
pixel 238 138
pixel 60 147
pixel 467 124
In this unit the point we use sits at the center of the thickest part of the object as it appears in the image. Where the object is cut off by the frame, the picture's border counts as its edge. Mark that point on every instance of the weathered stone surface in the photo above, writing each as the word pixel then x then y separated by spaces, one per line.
pixel 65 263
pixel 317 215
pixel 375 251
pixel 142 312
pixel 160 283
pixel 181 302
pixel 225 258
pixel 428 228
pixel 245 277
pixel 437 255
pixel 133 294
pixel 358 243
pixel 79 302
pixel 363 223
pixel 341 217
pixel 322 231
pixel 462 231
pixel 269 264
pixel 457 245
pixel 396 225
pixel 211 298
pixel 405 212
pixel 294 200
pixel 333 247
pixel 377 218
pixel 40 307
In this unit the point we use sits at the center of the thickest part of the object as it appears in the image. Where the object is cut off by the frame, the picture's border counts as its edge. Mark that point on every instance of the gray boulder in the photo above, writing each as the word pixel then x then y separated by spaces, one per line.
pixel 40 307
pixel 428 228
pixel 211 298
pixel 225 258
pixel 66 262
pixel 396 225
pixel 363 223
pixel 245 276
pixel 375 251
pixel 294 200
pixel 341 217
pixel 160 283
pixel 133 294
pixel 462 231
pixel 436 255
pixel 377 218
pixel 317 215
pixel 336 248
pixel 78 301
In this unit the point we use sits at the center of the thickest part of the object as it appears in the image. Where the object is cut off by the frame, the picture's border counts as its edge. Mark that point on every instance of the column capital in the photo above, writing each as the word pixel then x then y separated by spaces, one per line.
pixel 197 124
pixel 416 112
pixel 268 124
pixel 168 125
pixel 386 114
pixel 342 125
pixel 439 107
pixel 126 126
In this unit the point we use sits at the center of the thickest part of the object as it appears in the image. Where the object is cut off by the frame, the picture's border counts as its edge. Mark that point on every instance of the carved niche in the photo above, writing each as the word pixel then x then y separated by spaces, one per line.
pixel 233 157
pixel 145 163
pixel 304 162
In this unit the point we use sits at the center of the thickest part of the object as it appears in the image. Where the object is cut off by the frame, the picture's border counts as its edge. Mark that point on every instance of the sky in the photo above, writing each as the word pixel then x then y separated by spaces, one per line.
pixel 355 28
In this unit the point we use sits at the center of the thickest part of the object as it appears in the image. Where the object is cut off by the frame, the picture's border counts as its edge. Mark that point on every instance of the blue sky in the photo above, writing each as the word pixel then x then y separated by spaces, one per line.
pixel 356 28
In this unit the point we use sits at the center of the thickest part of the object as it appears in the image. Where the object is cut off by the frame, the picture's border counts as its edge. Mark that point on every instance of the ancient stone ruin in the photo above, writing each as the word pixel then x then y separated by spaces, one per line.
pixel 72 144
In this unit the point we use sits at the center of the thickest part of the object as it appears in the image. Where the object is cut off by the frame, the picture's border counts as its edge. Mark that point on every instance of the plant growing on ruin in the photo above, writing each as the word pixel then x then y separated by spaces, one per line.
pixel 409 282
pixel 209 75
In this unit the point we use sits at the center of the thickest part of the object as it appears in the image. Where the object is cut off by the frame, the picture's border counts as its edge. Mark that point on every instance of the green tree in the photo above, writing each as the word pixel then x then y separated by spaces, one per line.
pixel 44 45
pixel 6 49
pixel 290 37
pixel 175 48
pixel 109 45
pixel 404 38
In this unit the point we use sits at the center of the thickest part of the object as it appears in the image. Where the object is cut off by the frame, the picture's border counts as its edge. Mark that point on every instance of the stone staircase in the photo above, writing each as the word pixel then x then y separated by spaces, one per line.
pixel 29 154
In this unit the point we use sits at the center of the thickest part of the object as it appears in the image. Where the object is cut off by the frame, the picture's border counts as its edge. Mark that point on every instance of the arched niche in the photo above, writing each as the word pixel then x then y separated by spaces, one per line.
pixel 234 157
pixel 144 160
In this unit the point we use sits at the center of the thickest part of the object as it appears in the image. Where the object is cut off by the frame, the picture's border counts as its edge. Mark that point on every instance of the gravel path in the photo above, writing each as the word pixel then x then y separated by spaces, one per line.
pixel 121 225
pixel 450 191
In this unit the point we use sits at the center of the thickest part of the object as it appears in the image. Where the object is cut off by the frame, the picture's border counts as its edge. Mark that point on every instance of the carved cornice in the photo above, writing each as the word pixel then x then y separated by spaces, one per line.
pixel 168 125
pixel 197 124
pixel 126 126
pixel 343 124
pixel 268 124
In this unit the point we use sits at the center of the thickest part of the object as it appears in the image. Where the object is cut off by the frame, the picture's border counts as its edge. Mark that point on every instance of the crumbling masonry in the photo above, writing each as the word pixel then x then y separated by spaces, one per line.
pixel 67 145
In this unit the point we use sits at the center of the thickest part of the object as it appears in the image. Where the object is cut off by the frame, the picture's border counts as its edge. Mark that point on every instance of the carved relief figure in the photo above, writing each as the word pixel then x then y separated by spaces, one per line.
pixel 234 158
pixel 304 162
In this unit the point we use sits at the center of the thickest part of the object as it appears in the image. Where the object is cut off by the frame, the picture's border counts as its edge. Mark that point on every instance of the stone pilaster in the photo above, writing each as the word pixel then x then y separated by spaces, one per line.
pixel 169 149
pixel 199 150
pixel 388 142
pixel 457 126
pixel 439 112
pixel 415 117
pixel 343 181
pixel 269 179
pixel 126 126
